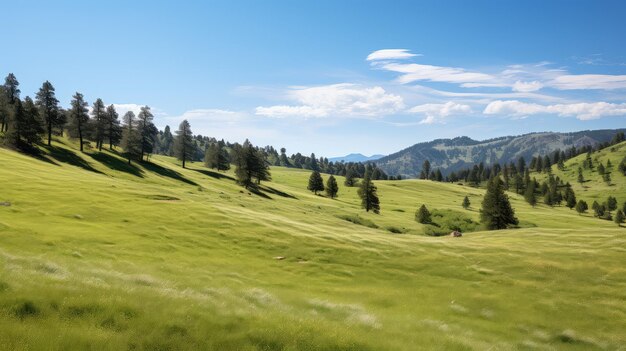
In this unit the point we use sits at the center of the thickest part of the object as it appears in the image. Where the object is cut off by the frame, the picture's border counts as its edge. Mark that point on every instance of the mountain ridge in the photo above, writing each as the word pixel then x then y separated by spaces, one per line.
pixel 460 152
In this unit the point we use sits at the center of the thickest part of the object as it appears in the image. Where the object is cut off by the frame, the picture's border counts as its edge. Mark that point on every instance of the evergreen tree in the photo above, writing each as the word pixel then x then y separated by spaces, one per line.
pixel 250 165
pixel 570 198
pixel 98 111
pixel 581 206
pixel 600 168
pixel 49 109
pixel 147 130
pixel 611 203
pixel 183 142
pixel 316 183
pixel 79 118
pixel 223 161
pixel 548 199
pixel 466 203
pixel 314 165
pixel 496 212
pixel 607 178
pixel 422 215
pixel 331 187
pixel 581 179
pixel 368 194
pixel 529 194
pixel 210 156
pixel 131 140
pixel 426 169
pixel 284 161
pixel 619 217
pixel 114 130
pixel 351 177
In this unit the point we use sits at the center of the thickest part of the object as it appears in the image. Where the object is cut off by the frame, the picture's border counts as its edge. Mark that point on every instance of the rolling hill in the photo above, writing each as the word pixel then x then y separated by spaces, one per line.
pixel 96 254
pixel 458 153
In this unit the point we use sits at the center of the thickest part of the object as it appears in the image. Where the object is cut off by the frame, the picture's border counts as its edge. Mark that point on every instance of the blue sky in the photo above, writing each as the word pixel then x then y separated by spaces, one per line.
pixel 332 77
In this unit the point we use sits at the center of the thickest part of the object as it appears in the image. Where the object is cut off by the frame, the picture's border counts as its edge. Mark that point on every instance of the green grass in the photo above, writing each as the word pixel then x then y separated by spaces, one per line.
pixel 98 255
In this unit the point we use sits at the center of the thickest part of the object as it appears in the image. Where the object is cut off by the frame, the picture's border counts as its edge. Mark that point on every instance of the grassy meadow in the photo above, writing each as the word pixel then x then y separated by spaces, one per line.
pixel 99 255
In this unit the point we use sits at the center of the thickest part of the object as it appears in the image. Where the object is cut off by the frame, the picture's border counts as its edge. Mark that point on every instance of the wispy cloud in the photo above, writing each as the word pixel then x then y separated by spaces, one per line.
pixel 337 100
pixel 582 111
pixel 436 112
pixel 390 54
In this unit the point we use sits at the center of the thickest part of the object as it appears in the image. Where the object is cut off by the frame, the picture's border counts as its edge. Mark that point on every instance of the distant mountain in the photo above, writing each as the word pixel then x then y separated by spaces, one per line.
pixel 453 154
pixel 355 158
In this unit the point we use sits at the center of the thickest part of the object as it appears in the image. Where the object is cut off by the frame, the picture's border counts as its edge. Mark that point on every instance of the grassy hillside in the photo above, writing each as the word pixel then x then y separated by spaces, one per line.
pixel 96 254
pixel 594 188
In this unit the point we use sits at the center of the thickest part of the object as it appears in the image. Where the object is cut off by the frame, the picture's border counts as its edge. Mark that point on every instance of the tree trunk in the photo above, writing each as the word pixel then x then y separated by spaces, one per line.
pixel 49 131
pixel 80 137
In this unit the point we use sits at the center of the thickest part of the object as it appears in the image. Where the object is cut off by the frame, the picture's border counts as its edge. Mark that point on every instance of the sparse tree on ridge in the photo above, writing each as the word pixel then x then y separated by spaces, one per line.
pixel 114 130
pixel 331 187
pixel 426 169
pixel 131 140
pixel 581 179
pixel 147 130
pixel 183 142
pixel 49 109
pixel 422 215
pixel 368 194
pixel 79 118
pixel 98 111
pixel 496 212
pixel 316 183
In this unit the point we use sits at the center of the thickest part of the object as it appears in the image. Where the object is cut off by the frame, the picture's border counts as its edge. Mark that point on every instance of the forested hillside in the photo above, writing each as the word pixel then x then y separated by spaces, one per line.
pixel 455 154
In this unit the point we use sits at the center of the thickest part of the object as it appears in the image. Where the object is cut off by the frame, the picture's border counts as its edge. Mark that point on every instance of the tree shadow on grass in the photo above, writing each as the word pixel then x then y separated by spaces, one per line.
pixel 258 192
pixel 215 175
pixel 116 164
pixel 65 156
pixel 165 172
pixel 271 190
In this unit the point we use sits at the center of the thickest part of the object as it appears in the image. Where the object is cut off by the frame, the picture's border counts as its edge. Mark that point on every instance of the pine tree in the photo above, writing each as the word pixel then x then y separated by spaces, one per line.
pixel 316 183
pixel 210 156
pixel 426 169
pixel 331 187
pixel 114 130
pixel 600 168
pixel 570 198
pixel 98 112
pixel 250 165
pixel 619 217
pixel 147 130
pixel 422 215
pixel 183 142
pixel 581 206
pixel 223 161
pixel 368 194
pixel 131 140
pixel 529 193
pixel 611 203
pixel 607 178
pixel 79 118
pixel 466 203
pixel 351 177
pixel 581 179
pixel 284 161
pixel 496 212
pixel 49 109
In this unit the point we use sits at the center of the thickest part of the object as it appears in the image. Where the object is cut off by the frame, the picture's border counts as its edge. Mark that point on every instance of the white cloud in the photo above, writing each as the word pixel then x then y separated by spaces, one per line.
pixel 412 72
pixel 436 112
pixel 338 100
pixel 582 111
pixel 589 81
pixel 526 87
pixel 123 108
pixel 390 54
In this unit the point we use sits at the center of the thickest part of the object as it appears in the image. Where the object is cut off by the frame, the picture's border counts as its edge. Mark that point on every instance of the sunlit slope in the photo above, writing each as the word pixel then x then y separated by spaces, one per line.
pixel 96 254
pixel 594 188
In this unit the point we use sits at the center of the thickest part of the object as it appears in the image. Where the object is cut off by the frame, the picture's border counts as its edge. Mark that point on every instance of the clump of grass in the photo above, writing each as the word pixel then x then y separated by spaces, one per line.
pixel 358 220
pixel 26 309
pixel 162 197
